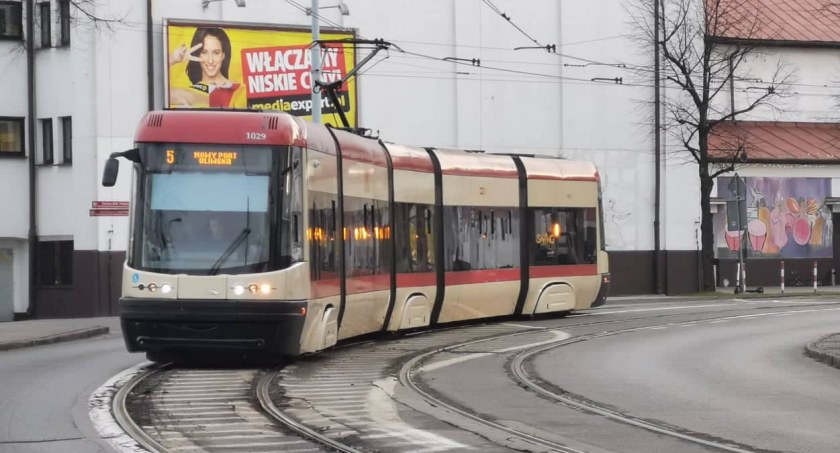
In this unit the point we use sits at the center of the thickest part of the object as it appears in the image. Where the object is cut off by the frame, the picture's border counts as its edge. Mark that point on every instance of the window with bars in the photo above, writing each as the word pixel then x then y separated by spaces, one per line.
pixel 55 263
pixel 11 20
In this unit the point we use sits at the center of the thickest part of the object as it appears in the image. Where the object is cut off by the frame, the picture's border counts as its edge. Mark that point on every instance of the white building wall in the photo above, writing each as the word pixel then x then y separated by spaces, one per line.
pixel 14 174
pixel 608 123
pixel 809 98
pixel 527 101
pixel 14 222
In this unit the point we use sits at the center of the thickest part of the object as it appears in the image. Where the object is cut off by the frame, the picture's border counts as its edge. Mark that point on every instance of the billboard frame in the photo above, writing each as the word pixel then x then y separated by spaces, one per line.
pixel 168 21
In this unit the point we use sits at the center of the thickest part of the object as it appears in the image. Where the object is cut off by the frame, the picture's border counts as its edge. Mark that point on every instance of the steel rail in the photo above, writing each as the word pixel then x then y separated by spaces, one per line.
pixel 518 371
pixel 405 378
pixel 268 406
pixel 124 419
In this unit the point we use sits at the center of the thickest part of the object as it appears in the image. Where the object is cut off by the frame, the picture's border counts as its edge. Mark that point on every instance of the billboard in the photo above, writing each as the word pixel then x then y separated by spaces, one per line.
pixel 785 218
pixel 223 65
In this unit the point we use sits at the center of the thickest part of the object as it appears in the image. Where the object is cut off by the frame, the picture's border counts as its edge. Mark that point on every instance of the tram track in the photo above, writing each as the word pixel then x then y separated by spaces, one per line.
pixel 319 411
pixel 204 410
pixel 124 419
pixel 518 370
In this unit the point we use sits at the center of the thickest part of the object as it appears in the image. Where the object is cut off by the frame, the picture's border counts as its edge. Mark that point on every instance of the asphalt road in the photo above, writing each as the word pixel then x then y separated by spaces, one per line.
pixel 744 379
pixel 44 394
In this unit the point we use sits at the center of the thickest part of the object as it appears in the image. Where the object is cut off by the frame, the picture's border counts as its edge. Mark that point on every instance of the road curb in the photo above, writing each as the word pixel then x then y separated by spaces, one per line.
pixel 821 352
pixel 59 338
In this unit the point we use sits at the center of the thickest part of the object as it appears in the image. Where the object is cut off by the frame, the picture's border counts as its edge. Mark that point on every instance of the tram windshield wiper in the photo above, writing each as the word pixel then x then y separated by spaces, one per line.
pixel 229 250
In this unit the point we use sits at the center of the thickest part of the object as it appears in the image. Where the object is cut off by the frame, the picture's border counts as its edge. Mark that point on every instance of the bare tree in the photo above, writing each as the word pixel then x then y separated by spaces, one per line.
pixel 707 48
pixel 86 13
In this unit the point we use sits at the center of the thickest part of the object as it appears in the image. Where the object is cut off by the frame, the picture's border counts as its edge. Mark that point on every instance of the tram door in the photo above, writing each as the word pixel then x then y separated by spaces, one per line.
pixel 7 309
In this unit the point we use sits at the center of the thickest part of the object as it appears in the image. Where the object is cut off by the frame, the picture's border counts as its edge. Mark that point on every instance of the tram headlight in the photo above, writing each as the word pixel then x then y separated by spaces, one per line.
pixel 253 288
pixel 166 288
pixel 152 287
pixel 239 290
pixel 265 288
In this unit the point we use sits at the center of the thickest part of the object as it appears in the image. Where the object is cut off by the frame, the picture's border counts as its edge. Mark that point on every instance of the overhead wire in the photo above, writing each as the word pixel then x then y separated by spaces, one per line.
pixel 514 72
pixel 508 19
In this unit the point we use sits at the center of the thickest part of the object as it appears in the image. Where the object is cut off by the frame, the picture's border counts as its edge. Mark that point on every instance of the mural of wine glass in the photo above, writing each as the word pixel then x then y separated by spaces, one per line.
pixel 733 240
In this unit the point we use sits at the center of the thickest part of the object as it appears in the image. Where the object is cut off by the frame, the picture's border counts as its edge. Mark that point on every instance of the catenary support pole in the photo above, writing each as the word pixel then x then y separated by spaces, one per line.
pixel 30 129
pixel 657 267
pixel 316 64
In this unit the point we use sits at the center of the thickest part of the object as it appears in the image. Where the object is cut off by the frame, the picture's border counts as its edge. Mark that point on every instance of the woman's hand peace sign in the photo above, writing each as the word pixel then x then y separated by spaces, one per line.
pixel 182 53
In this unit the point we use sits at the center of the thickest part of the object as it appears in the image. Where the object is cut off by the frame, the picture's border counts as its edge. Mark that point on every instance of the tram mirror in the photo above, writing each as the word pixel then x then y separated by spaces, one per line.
pixel 109 175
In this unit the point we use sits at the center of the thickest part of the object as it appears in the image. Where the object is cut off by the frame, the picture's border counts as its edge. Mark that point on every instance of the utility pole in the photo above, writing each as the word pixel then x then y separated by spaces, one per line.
pixel 742 273
pixel 316 64
pixel 657 149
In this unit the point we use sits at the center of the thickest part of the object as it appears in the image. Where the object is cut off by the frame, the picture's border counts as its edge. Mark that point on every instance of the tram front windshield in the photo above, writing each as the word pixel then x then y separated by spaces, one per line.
pixel 207 210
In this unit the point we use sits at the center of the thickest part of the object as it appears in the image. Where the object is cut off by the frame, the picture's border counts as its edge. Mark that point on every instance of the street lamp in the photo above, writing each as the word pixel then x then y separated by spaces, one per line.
pixel 342 8
pixel 316 55
pixel 742 273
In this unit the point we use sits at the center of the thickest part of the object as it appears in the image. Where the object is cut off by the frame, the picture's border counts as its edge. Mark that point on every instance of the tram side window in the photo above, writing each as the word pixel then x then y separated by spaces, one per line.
pixel 321 235
pixel 413 226
pixel 479 238
pixel 367 226
pixel 563 236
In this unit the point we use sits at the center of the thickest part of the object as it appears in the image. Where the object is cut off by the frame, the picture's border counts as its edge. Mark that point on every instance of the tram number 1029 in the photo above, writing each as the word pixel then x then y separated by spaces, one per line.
pixel 255 135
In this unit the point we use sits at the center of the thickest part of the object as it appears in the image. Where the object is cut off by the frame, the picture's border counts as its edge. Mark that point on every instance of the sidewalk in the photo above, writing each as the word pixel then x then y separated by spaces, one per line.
pixel 729 293
pixel 22 334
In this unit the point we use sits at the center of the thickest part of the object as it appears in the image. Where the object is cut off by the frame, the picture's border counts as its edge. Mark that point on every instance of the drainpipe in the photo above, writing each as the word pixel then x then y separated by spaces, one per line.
pixel 150 57
pixel 30 99
pixel 657 267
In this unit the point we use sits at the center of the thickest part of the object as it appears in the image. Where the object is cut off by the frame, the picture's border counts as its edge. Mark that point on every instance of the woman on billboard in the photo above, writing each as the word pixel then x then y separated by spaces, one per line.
pixel 208 62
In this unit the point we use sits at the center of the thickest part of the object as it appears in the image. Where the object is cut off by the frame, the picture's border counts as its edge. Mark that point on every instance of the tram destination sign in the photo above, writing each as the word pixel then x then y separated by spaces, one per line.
pixel 108 208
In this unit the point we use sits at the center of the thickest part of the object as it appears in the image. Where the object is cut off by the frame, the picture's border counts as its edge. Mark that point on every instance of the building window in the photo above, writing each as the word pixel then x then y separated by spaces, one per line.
pixel 46 32
pixel 67 139
pixel 11 20
pixel 11 137
pixel 55 263
pixel 64 21
pixel 47 140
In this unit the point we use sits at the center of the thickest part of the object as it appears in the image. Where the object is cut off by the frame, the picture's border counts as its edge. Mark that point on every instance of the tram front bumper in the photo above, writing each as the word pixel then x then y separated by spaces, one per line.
pixel 156 325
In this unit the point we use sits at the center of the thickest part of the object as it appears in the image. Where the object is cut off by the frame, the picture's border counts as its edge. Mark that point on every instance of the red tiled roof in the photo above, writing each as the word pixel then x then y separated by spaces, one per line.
pixel 777 20
pixel 777 141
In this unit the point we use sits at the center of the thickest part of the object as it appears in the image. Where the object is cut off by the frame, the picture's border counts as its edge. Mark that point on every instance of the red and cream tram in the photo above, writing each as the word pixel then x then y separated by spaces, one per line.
pixel 256 232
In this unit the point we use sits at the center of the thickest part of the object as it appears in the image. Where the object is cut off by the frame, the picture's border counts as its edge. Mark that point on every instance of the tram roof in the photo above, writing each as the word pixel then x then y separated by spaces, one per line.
pixel 222 126
pixel 410 158
pixel 457 162
pixel 238 127
pixel 559 169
